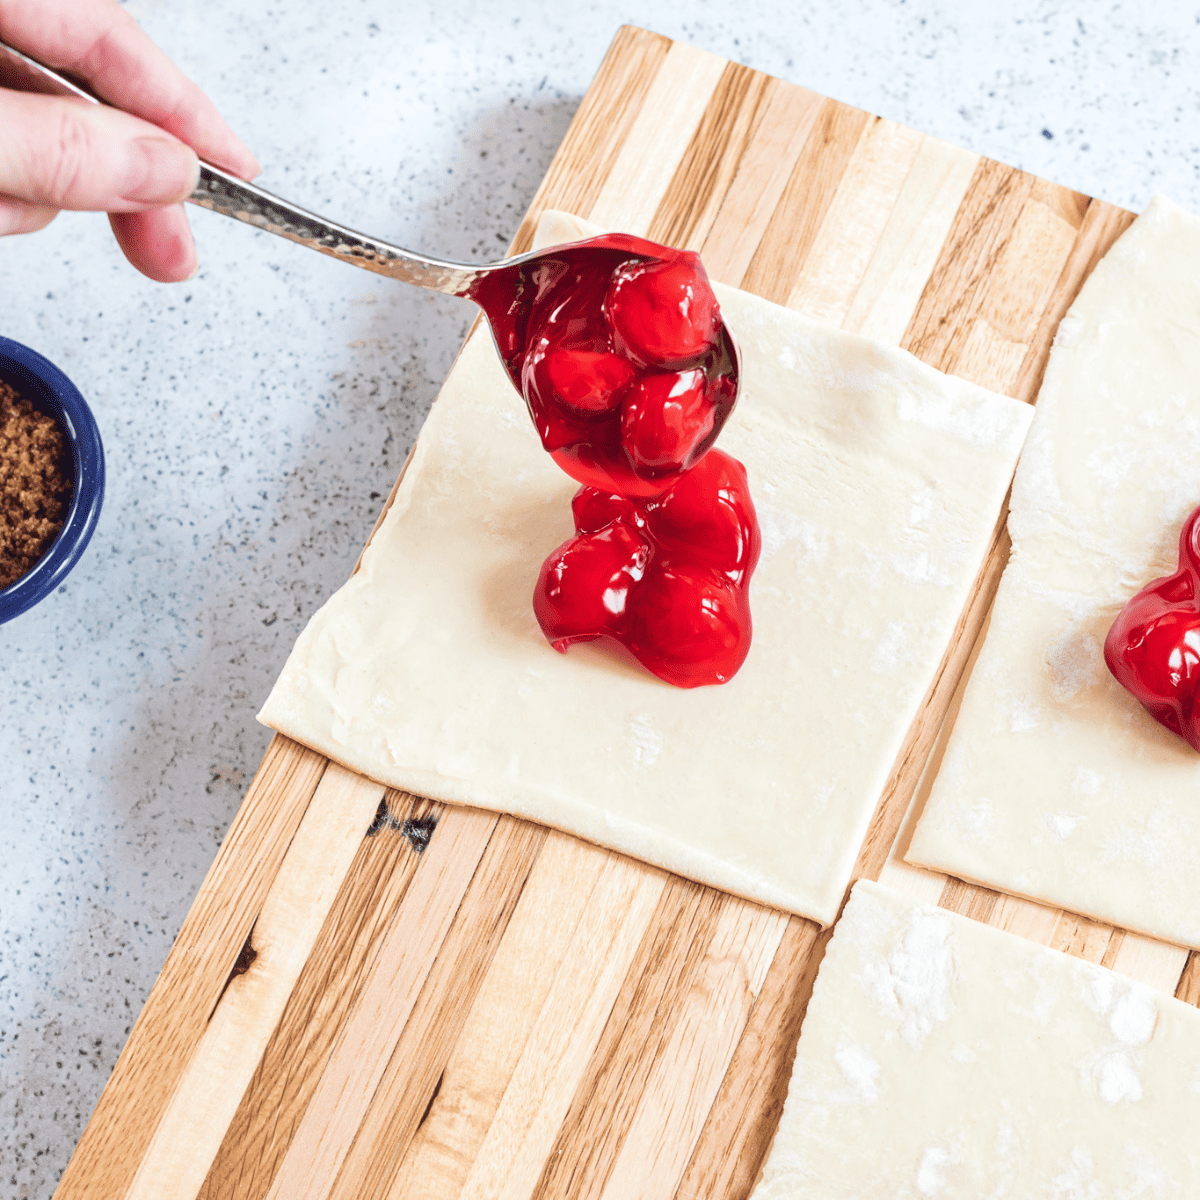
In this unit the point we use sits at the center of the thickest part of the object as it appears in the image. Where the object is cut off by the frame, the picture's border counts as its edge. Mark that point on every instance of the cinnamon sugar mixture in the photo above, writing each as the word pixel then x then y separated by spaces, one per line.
pixel 35 483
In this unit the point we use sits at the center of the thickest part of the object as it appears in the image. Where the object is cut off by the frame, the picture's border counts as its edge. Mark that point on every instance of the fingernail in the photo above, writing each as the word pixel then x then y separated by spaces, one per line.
pixel 159 171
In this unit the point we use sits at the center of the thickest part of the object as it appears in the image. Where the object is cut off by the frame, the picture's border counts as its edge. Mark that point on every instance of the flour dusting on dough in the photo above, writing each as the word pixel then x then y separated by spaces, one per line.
pixel 1062 825
pixel 780 528
pixel 931 1174
pixel 1074 1181
pixel 1112 1075
pixel 1132 1012
pixel 647 741
pixel 912 985
pixel 860 1069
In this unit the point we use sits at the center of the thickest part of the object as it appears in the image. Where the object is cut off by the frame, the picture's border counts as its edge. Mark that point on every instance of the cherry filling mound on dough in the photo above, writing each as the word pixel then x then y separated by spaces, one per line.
pixel 629 376
pixel 1153 647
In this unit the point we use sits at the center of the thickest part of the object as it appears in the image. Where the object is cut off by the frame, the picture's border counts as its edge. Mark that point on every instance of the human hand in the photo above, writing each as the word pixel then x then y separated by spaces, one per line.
pixel 137 165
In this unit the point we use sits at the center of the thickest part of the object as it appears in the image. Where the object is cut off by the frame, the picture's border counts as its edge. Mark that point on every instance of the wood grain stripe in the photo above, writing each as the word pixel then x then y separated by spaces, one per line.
pixel 501 1020
pixel 729 126
pixel 1156 964
pixel 854 224
pixel 917 227
pixel 189 1135
pixel 1101 226
pixel 663 1052
pixel 597 1123
pixel 576 1009
pixel 1007 314
pixel 600 128
pixel 326 991
pixel 959 280
pixel 369 1036
pixel 418 1062
pixel 800 212
pixel 1188 988
pixel 672 110
pixel 762 174
pixel 981 312
pixel 707 1022
pixel 737 1135
pixel 175 1015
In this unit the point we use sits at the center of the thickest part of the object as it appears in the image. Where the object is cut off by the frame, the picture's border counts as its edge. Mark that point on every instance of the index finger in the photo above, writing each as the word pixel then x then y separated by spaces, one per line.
pixel 100 43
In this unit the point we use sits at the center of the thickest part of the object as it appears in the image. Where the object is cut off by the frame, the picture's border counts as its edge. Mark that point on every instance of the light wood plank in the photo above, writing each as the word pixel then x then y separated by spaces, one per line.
pixel 699 947
pixel 555 1058
pixel 369 1036
pixel 688 1070
pixel 736 1137
pixel 1188 989
pixel 597 1124
pixel 958 284
pixel 175 1015
pixel 762 175
pixel 501 1020
pixel 986 357
pixel 657 141
pixel 698 188
pixel 855 222
pixel 1154 963
pixel 1025 918
pixel 1102 224
pixel 189 1135
pixel 411 1080
pixel 328 987
pixel 797 217
pixel 916 229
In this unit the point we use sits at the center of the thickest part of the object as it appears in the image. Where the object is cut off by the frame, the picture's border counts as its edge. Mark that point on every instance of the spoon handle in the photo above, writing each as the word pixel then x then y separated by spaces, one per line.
pixel 223 193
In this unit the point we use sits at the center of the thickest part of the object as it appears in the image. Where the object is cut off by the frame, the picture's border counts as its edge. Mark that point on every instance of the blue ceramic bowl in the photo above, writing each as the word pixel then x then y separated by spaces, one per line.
pixel 35 377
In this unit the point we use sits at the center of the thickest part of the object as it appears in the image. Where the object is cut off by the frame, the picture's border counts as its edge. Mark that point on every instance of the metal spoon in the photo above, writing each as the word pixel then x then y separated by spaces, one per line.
pixel 232 197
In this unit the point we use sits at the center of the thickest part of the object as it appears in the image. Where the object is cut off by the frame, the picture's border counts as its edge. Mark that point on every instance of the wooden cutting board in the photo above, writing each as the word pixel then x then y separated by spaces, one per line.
pixel 376 997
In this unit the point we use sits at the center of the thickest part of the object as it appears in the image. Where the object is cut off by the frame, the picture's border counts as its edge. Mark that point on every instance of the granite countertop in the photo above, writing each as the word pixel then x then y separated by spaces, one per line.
pixel 255 418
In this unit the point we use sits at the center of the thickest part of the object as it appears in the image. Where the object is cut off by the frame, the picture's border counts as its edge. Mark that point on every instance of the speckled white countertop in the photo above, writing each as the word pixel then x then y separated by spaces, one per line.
pixel 255 418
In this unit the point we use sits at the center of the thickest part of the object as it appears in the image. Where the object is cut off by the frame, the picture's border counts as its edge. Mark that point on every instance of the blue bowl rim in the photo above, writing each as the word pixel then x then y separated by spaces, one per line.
pixel 41 381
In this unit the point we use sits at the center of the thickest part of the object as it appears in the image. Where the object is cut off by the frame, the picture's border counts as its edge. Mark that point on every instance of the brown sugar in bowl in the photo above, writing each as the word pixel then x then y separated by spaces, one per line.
pixel 53 477
pixel 36 483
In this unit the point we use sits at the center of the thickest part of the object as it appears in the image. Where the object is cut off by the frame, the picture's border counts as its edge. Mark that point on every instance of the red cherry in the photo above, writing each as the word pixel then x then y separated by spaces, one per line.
pixel 583 587
pixel 663 314
pixel 665 578
pixel 593 509
pixel 598 461
pixel 615 345
pixel 708 517
pixel 586 381
pixel 690 626
pixel 557 426
pixel 1153 647
pixel 663 419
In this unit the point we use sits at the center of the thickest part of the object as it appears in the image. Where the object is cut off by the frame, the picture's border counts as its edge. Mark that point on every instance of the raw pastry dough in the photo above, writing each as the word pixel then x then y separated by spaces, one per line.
pixel 942 1058
pixel 1056 784
pixel 878 481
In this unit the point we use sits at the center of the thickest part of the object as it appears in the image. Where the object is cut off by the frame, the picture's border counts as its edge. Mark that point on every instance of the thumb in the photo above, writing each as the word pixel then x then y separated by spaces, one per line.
pixel 65 153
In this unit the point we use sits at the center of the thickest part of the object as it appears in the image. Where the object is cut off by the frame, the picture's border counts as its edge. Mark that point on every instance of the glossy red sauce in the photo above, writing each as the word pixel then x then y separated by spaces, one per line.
pixel 628 372
pixel 665 577
pixel 1153 647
